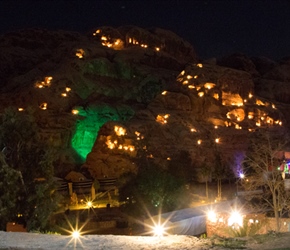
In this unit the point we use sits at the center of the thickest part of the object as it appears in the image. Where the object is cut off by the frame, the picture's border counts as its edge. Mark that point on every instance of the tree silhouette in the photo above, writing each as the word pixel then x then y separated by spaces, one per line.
pixel 262 172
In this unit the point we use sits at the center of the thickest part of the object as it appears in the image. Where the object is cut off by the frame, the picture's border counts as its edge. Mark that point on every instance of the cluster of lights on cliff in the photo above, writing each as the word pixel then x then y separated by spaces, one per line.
pixel 162 118
pixel 80 53
pixel 138 136
pixel 119 131
pixel 45 83
pixel 238 113
pixel 118 43
pixel 64 94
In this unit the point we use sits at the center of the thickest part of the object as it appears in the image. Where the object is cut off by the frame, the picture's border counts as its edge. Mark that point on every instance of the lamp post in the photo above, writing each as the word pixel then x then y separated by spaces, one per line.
pixel 241 177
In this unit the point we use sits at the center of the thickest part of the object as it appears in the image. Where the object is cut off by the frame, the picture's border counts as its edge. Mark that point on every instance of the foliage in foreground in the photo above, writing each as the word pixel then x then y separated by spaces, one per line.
pixel 31 198
pixel 228 243
pixel 153 190
pixel 248 229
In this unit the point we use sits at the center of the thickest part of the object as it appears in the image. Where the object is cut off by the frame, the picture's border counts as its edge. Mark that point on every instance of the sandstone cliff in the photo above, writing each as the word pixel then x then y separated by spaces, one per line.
pixel 103 97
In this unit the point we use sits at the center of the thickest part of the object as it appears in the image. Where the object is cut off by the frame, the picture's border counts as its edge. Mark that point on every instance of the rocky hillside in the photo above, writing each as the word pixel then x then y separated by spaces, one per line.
pixel 105 97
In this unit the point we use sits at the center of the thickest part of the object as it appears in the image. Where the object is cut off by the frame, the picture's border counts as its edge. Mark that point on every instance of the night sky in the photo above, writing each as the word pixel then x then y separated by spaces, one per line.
pixel 214 28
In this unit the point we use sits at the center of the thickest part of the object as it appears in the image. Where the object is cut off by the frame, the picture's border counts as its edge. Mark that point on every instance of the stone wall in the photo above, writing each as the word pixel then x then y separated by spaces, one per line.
pixel 14 227
pixel 253 224
pixel 95 225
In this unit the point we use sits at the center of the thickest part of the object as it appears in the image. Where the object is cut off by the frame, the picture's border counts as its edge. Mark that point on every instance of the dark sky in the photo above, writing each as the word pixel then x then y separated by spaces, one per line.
pixel 215 28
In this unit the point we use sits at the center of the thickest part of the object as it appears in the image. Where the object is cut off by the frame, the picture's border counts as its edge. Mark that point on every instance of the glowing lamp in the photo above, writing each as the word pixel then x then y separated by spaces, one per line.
pixel 89 204
pixel 217 140
pixel 159 230
pixel 75 234
pixel 199 65
pixel 242 175
pixel 20 109
pixel 185 82
pixel 191 86
pixel 235 219
pixel 157 49
pixel 250 95
pixel 201 94
pixel 211 216
pixel 75 111
pixel 188 77
pixel 164 93
pixel 199 142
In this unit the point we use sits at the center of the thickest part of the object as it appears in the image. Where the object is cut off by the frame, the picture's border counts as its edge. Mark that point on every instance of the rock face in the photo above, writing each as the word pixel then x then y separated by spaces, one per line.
pixel 105 98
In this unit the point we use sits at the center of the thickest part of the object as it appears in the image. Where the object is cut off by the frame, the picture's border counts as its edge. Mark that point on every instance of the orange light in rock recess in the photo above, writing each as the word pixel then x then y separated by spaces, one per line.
pixel 75 111
pixel 43 106
pixel 164 93
pixel 199 65
pixel 217 140
pixel 64 94
pixel 188 77
pixel 162 118
pixel 157 49
pixel 193 130
pixel 191 86
pixel 20 109
pixel 209 85
pixel 216 96
pixel 250 95
pixel 80 53
pixel 199 142
pixel 67 89
pixel 201 94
